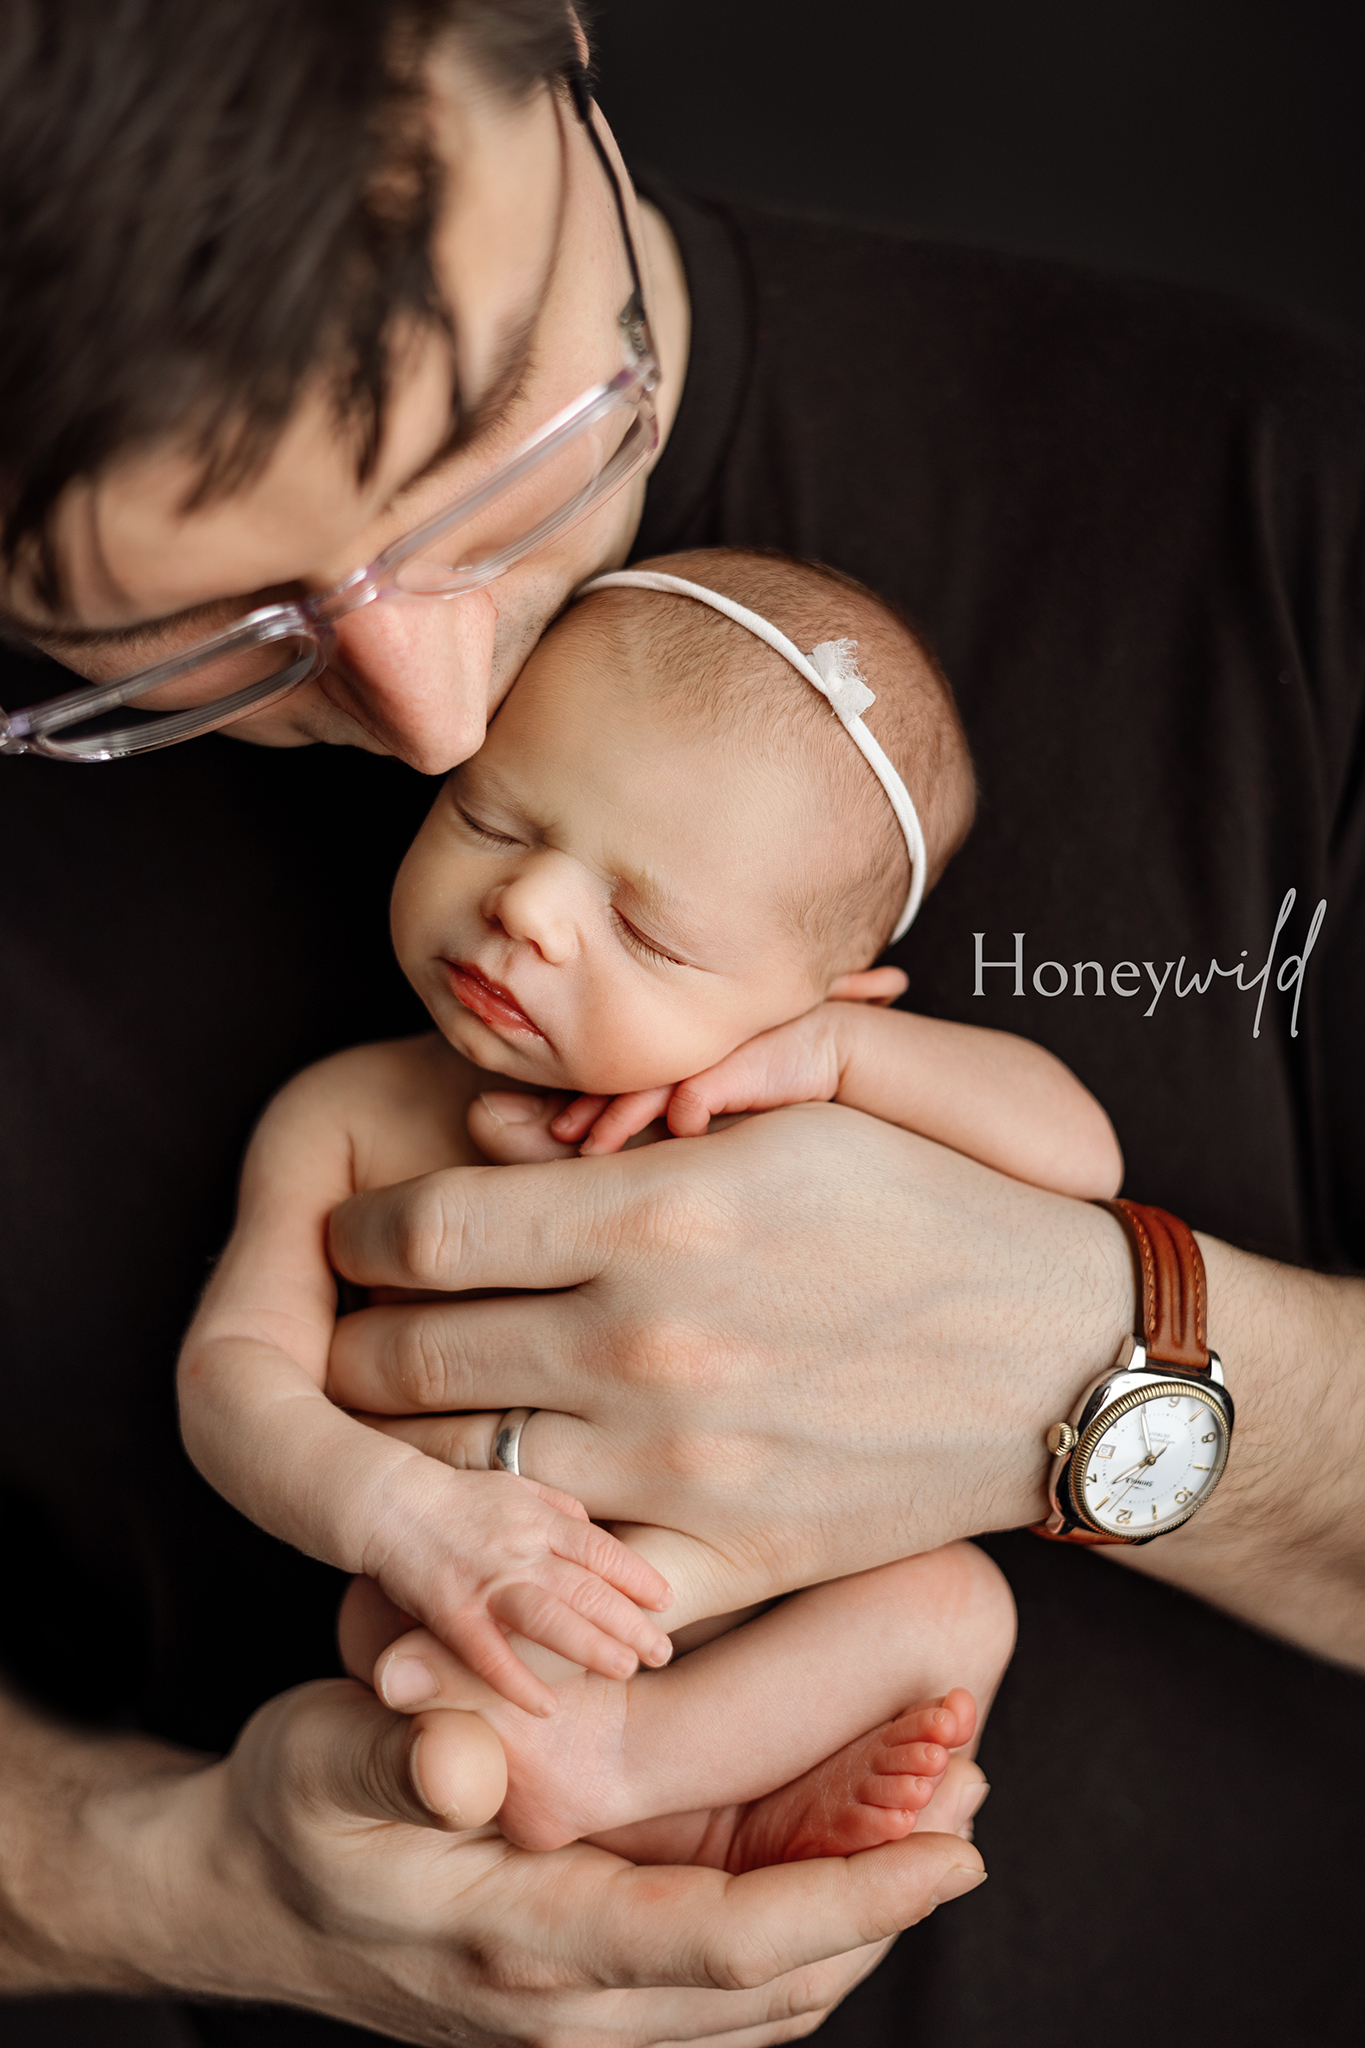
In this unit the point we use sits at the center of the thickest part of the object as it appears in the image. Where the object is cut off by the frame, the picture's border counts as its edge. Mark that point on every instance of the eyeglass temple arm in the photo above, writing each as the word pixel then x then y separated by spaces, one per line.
pixel 581 92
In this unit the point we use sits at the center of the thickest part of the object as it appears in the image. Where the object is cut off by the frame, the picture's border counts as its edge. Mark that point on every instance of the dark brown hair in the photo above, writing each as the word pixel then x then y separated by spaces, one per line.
pixel 204 201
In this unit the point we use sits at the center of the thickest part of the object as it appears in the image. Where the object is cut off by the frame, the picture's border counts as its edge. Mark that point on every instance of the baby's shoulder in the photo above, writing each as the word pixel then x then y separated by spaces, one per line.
pixel 396 1109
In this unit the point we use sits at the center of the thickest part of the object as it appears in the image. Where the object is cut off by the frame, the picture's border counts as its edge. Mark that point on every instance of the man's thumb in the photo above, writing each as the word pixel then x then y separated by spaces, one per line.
pixel 513 1129
pixel 438 1770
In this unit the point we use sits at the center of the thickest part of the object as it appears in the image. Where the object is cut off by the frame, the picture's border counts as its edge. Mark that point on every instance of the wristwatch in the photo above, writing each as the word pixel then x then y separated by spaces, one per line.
pixel 1148 1440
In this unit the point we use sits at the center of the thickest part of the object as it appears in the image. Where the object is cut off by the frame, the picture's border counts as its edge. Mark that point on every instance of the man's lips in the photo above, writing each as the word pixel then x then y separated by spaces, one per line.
pixel 488 1001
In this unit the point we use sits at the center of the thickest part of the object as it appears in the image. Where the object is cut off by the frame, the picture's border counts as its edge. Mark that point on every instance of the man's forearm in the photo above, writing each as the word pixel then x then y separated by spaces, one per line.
pixel 1282 1542
pixel 81 1907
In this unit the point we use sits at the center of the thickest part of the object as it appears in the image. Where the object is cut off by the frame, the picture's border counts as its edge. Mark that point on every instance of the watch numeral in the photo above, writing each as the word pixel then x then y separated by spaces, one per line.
pixel 1209 1437
pixel 1123 1515
pixel 1182 1495
pixel 1175 1403
pixel 1105 1451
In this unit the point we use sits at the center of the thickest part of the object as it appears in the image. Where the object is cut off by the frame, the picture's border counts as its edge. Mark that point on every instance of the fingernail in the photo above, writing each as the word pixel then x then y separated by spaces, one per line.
pixel 661 1653
pixel 407 1682
pixel 954 1883
pixel 625 1665
pixel 506 1108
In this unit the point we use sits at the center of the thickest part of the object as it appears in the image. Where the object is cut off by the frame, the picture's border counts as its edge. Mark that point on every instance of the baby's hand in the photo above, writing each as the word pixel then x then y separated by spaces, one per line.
pixel 481 1555
pixel 801 1061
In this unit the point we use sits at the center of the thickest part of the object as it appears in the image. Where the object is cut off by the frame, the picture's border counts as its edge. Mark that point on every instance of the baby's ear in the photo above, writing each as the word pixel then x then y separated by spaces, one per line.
pixel 870 985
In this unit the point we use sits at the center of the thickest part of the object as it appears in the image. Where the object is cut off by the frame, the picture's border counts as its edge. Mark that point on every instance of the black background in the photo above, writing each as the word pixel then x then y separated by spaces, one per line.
pixel 1215 142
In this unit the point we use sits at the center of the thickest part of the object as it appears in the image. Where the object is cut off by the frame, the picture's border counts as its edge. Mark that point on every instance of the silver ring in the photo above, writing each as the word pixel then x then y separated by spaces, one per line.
pixel 507 1439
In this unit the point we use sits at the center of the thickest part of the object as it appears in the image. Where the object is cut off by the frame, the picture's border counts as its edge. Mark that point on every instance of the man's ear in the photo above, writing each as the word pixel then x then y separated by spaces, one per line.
pixel 870 985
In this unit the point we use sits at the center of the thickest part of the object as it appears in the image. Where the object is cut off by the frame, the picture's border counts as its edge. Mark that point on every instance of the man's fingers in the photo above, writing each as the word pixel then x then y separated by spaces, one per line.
pixel 562 1452
pixel 515 1129
pixel 482 1226
pixel 523 1351
pixel 736 1933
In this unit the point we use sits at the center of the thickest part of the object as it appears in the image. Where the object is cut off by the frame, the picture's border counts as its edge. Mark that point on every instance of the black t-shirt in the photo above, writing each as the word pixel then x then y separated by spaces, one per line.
pixel 1131 522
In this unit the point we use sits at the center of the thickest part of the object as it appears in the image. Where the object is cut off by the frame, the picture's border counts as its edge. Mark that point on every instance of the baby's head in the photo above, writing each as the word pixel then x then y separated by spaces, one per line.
pixel 669 842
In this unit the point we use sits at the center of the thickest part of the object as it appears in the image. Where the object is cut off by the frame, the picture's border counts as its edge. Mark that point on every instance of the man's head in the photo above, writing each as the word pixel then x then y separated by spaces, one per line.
pixel 279 283
pixel 669 843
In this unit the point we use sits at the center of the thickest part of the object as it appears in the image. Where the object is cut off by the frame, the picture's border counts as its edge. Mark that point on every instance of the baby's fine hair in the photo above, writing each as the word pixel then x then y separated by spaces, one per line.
pixel 725 679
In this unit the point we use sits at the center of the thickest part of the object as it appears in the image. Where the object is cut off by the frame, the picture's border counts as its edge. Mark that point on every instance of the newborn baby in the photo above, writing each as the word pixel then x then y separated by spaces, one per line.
pixel 659 887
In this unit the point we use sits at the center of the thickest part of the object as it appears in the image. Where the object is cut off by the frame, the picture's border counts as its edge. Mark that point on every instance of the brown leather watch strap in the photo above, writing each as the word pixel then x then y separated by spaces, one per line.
pixel 1172 1300
pixel 1172 1311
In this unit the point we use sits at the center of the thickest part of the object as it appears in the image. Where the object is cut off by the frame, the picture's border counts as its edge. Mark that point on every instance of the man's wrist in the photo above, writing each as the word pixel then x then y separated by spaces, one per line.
pixel 1282 1542
pixel 77 1891
pixel 1062 1356
pixel 113 1873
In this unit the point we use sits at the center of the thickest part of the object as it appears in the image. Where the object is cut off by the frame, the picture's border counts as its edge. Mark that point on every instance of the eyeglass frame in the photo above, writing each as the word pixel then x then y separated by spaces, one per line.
pixel 313 619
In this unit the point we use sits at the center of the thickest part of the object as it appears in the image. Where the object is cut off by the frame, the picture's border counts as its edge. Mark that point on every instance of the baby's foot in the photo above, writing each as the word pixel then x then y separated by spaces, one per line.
pixel 563 1777
pixel 870 1792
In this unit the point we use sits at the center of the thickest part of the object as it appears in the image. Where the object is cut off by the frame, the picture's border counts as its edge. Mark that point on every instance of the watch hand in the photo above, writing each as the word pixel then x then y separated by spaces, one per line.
pixel 1114 1499
pixel 1146 1438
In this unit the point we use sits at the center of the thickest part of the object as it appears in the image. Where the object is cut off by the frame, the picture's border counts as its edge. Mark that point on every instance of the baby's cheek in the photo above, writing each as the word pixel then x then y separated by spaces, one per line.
pixel 650 1039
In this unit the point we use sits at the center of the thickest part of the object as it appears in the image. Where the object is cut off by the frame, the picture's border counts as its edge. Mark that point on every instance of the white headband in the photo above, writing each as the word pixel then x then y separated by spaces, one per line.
pixel 832 669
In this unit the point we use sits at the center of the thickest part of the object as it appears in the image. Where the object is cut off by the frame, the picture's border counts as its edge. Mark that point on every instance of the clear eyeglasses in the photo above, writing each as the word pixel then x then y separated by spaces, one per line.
pixel 577 461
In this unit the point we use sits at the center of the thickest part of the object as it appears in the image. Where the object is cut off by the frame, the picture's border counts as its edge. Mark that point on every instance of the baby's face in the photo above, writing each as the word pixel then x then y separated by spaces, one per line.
pixel 596 899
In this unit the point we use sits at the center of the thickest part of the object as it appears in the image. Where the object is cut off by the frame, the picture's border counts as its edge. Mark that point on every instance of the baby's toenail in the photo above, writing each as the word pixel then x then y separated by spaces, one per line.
pixel 408 1682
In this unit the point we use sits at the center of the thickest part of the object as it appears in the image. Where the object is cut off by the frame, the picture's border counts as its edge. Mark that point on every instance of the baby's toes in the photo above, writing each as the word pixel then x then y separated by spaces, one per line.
pixel 899 1791
pixel 910 1760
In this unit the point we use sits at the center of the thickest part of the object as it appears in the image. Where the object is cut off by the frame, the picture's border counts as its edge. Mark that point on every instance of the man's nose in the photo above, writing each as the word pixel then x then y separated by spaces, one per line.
pixel 536 906
pixel 416 673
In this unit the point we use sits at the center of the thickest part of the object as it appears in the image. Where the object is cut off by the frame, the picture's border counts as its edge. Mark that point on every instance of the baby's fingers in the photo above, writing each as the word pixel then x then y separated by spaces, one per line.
pixel 488 1654
pixel 597 1550
pixel 577 1120
pixel 583 1620
pixel 625 1116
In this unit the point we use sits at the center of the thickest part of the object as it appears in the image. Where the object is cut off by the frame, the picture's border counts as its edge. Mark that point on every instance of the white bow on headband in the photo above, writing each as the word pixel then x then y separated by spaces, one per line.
pixel 832 669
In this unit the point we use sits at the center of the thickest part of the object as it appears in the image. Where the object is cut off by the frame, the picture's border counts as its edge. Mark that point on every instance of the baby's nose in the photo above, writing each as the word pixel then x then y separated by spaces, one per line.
pixel 536 907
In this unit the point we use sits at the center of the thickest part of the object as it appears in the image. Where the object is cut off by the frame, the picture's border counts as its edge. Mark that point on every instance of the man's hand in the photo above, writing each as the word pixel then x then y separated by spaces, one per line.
pixel 307 1869
pixel 814 1341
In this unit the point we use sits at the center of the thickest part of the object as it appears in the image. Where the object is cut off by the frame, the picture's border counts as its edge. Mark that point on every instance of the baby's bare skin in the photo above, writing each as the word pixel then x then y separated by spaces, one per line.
pixel 607 900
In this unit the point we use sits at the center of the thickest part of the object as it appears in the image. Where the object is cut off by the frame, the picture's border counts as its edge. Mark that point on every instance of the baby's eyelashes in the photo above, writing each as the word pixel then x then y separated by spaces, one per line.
pixel 640 944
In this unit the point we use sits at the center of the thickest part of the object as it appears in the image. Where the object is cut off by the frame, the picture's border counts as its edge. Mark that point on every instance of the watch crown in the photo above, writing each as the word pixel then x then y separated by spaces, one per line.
pixel 1061 1438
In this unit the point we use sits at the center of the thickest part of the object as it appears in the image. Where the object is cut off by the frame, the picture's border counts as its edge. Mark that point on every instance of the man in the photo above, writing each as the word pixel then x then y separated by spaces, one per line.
pixel 250 352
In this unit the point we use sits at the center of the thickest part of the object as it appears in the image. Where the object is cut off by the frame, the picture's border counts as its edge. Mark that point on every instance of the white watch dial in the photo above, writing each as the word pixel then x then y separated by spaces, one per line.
pixel 1151 1465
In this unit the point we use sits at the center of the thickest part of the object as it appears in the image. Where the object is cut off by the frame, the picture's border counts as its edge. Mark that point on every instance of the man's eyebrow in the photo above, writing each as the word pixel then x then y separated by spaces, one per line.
pixel 41 634
pixel 505 389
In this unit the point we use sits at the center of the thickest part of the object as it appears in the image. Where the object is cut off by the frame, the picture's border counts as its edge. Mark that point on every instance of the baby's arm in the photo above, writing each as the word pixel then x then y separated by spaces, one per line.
pixel 473 1554
pixel 997 1098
